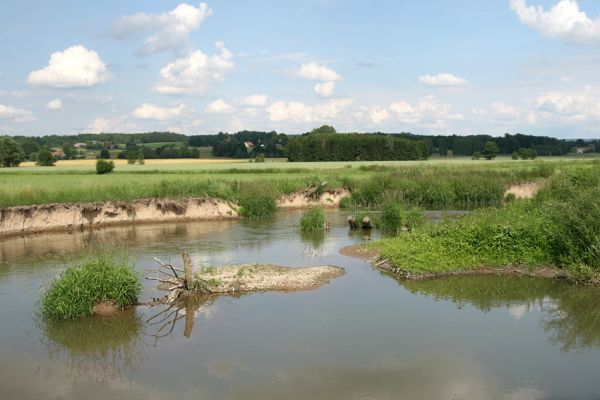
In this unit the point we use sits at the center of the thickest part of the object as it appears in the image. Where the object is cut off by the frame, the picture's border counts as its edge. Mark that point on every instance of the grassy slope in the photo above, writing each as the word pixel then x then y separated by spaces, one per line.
pixel 559 228
pixel 75 181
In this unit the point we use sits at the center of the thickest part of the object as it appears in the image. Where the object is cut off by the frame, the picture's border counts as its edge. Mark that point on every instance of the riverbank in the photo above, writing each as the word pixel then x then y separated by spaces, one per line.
pixel 63 217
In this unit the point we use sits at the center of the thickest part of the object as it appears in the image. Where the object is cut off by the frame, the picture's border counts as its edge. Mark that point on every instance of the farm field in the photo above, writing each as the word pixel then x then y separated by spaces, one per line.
pixel 75 181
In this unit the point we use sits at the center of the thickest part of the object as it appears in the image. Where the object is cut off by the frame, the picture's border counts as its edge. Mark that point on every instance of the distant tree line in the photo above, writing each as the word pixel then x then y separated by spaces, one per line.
pixel 444 145
pixel 324 144
pixel 244 144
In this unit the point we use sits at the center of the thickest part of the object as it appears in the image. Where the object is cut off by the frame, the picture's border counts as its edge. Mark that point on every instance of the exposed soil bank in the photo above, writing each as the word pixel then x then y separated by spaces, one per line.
pixel 525 190
pixel 48 217
pixel 358 251
pixel 259 277
pixel 330 198
pixel 53 217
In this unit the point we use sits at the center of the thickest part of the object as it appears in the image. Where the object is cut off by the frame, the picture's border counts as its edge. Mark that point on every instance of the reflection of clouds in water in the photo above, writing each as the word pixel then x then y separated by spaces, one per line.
pixel 432 379
pixel 518 311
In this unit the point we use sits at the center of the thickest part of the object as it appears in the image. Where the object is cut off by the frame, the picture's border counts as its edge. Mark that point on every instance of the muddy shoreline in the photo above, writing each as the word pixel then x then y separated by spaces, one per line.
pixel 372 256
pixel 25 220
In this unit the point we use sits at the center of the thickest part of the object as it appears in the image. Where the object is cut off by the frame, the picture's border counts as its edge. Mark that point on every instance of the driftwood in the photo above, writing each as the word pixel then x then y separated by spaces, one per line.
pixel 175 284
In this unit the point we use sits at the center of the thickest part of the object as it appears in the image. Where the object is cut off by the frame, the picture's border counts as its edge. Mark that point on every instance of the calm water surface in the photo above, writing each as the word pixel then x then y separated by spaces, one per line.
pixel 362 336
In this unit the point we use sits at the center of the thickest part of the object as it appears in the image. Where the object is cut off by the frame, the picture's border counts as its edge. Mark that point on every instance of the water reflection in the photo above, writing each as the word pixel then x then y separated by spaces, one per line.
pixel 571 313
pixel 102 348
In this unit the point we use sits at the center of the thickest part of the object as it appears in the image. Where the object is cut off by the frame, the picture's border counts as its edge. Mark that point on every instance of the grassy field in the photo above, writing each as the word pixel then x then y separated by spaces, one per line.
pixel 441 179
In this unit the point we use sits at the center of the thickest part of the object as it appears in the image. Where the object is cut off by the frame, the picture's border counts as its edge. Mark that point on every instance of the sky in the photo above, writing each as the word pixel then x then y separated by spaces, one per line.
pixel 429 67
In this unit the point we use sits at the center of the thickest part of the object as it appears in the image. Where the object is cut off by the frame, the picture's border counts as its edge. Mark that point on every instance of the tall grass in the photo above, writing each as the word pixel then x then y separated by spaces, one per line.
pixel 98 278
pixel 312 220
pixel 560 228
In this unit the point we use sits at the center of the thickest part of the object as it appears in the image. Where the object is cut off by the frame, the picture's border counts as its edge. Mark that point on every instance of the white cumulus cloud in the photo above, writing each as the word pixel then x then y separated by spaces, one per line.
pixel 55 104
pixel 443 79
pixel 563 21
pixel 378 115
pixel 169 30
pixel 316 72
pixel 218 107
pixel 324 89
pixel 16 114
pixel 152 112
pixel 71 68
pixel 256 100
pixel 295 111
pixel 195 73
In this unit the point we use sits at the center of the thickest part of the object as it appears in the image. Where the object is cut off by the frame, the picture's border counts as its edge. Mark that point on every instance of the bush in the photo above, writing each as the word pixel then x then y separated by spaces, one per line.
pixel 104 167
pixel 104 154
pixel 312 220
pixel 257 202
pixel 45 159
pixel 99 278
pixel 395 217
pixel 11 153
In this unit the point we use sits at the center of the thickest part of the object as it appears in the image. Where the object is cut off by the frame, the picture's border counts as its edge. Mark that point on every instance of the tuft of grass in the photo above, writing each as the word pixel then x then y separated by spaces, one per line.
pixel 98 278
pixel 313 220
pixel 257 202
pixel 395 217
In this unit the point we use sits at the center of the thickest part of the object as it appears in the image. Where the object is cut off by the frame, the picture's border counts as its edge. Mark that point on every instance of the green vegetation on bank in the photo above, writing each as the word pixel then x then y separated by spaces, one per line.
pixel 560 228
pixel 313 220
pixel 98 278
pixel 431 185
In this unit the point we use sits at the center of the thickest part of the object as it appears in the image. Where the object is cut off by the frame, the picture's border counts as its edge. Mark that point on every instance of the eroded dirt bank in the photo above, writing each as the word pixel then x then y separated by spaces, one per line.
pixel 48 217
pixel 55 217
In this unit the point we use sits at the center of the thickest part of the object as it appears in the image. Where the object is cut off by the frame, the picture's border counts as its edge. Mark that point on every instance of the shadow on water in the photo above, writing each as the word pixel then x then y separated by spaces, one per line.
pixel 571 313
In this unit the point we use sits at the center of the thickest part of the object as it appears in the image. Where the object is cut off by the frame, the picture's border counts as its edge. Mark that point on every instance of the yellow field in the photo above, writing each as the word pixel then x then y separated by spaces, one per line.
pixel 171 161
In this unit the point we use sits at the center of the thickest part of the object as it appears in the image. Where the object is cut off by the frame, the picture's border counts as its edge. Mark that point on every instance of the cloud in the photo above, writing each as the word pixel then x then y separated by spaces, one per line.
pixel 316 72
pixel 295 111
pixel 257 100
pixel 55 104
pixel 16 114
pixel 171 30
pixel 195 73
pixel 564 21
pixel 152 112
pixel 71 68
pixel 378 115
pixel 218 107
pixel 443 79
pixel 116 124
pixel 505 110
pixel 324 89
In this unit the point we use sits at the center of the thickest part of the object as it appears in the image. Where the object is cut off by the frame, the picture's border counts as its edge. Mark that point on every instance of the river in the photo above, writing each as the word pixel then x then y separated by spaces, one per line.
pixel 364 335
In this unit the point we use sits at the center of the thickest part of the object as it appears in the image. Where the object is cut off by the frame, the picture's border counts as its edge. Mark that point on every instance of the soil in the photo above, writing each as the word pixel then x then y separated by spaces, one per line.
pixel 262 277
pixel 106 308
pixel 56 217
pixel 525 190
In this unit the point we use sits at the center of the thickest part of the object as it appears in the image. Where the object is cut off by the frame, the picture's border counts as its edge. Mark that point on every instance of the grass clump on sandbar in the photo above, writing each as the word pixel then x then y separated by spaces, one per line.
pixel 98 278
pixel 313 220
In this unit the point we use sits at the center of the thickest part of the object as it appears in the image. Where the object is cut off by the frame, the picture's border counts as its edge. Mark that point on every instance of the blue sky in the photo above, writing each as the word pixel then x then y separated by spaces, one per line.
pixel 439 66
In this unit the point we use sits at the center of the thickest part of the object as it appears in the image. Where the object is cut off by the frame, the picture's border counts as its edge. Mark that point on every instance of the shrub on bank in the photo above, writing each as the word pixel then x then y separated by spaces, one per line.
pixel 395 218
pixel 257 202
pixel 99 278
pixel 313 220
pixel 104 167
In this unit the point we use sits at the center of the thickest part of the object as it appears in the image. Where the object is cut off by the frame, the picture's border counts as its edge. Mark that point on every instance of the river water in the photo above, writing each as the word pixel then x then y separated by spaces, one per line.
pixel 362 336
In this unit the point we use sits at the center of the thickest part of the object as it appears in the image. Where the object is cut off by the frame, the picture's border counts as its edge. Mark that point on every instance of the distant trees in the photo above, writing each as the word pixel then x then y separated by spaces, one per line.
pixel 11 153
pixel 45 158
pixel 317 146
pixel 105 154
pixel 490 150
